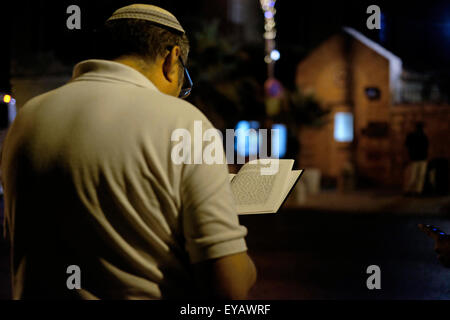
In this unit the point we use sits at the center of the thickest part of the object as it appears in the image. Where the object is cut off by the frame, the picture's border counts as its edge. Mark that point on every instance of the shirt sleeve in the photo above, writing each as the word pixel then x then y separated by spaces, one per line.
pixel 210 221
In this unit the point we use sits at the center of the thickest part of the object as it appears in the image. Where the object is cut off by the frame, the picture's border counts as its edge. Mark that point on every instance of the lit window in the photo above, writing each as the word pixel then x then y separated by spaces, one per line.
pixel 343 127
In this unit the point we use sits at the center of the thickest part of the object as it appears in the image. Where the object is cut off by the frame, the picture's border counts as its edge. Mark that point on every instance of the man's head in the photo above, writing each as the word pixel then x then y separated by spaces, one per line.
pixel 150 40
pixel 419 126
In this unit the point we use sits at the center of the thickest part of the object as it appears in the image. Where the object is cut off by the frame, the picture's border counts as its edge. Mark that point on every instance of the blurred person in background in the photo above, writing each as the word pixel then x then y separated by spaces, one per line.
pixel 417 145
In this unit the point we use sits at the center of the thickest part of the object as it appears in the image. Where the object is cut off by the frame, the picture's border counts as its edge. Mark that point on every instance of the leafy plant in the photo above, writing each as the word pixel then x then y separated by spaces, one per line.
pixel 228 87
pixel 306 109
pixel 224 85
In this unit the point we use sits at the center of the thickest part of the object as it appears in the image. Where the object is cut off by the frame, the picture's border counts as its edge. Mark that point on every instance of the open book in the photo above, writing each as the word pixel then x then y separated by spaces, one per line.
pixel 255 191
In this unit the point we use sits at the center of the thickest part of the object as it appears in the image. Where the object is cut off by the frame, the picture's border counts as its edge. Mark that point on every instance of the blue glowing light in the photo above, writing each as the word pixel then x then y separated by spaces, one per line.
pixel 275 55
pixel 12 110
pixel 246 138
pixel 279 140
pixel 343 127
pixel 268 15
pixel 382 32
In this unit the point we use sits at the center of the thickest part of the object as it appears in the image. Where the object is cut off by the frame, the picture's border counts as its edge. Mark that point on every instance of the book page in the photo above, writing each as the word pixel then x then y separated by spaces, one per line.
pixel 252 188
pixel 293 176
pixel 255 192
pixel 231 176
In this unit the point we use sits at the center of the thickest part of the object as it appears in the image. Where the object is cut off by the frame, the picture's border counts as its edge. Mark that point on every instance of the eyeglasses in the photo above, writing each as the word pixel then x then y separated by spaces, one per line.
pixel 187 83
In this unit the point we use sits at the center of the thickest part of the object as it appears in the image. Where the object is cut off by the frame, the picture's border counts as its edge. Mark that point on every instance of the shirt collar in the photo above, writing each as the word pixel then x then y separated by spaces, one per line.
pixel 94 69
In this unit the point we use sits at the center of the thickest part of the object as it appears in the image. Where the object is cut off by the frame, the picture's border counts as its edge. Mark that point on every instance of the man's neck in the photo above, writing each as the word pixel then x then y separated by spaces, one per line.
pixel 145 68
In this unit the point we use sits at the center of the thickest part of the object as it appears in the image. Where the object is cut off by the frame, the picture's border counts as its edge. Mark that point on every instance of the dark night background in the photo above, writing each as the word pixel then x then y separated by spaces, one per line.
pixel 314 253
pixel 418 31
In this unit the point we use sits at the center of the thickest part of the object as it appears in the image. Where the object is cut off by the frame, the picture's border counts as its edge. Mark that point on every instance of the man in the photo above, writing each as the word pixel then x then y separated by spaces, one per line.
pixel 90 184
pixel 417 145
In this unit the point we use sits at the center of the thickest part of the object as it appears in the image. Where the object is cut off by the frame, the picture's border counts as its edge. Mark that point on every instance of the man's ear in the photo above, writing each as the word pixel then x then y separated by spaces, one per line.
pixel 170 64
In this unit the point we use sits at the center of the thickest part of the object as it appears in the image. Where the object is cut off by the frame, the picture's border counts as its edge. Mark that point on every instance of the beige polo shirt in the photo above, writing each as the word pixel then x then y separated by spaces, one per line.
pixel 89 181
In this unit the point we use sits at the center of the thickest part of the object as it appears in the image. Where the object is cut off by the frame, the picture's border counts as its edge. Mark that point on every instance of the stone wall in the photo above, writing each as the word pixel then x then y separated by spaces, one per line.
pixel 338 72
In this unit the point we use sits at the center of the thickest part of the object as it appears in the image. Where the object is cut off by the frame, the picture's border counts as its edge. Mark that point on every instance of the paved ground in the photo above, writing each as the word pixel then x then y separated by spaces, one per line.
pixel 321 250
pixel 304 255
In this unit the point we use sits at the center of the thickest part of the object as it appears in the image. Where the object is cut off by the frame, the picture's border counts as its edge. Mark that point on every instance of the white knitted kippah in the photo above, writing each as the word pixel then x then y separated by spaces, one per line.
pixel 148 12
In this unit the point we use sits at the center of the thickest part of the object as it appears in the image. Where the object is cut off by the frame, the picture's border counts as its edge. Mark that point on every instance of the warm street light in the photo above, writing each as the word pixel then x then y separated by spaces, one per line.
pixel 6 98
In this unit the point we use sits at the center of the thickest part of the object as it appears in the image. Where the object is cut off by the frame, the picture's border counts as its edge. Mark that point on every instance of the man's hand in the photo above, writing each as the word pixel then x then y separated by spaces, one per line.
pixel 441 243
pixel 227 278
